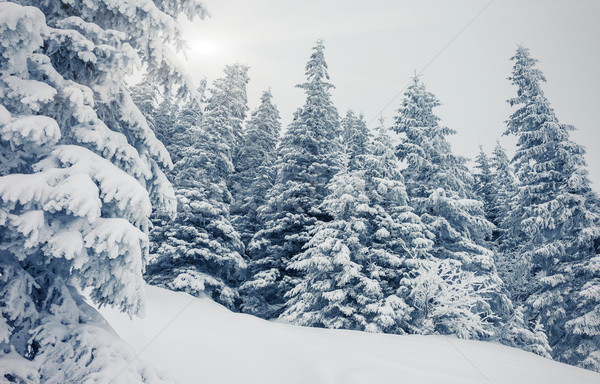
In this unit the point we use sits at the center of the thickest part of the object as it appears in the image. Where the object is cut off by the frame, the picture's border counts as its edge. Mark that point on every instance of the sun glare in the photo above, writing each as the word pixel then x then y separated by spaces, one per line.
pixel 205 48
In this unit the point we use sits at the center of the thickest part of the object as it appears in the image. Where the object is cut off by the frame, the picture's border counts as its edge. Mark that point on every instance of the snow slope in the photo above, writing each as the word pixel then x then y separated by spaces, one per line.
pixel 199 341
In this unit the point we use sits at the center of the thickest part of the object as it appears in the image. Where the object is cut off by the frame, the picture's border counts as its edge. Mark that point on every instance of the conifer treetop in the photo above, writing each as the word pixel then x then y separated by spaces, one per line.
pixel 316 70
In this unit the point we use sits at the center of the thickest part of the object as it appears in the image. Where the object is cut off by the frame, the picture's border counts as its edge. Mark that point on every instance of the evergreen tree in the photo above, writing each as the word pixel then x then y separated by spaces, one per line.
pixel 80 170
pixel 200 251
pixel 255 173
pixel 424 148
pixel 485 188
pixel 355 264
pixel 231 96
pixel 164 119
pixel 553 230
pixel 518 332
pixel 504 185
pixel 440 188
pixel 400 231
pixel 306 163
pixel 355 137
pixel 337 291
pixel 341 286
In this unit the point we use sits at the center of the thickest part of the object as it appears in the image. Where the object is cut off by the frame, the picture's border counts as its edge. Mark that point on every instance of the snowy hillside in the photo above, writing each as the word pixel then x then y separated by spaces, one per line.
pixel 199 341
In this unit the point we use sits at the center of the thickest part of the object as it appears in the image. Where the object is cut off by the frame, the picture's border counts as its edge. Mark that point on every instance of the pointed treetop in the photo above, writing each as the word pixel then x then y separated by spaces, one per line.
pixel 355 137
pixel 266 115
pixel 416 110
pixel 483 161
pixel 316 69
pixel 525 76
pixel 499 157
pixel 266 96
pixel 534 113
pixel 236 79
pixel 482 158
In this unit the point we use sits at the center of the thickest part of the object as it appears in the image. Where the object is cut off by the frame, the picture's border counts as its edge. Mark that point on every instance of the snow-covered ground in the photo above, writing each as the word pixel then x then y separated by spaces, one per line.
pixel 199 341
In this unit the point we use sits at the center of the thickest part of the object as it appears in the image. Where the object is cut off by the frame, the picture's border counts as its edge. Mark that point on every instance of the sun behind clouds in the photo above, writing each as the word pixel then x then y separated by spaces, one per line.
pixel 205 47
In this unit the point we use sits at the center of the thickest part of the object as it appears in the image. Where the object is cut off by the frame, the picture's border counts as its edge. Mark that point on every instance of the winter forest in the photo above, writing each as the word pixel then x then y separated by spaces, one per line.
pixel 107 185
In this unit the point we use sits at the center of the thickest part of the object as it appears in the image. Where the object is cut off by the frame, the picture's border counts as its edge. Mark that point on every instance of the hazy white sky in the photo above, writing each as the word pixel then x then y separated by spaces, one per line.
pixel 374 47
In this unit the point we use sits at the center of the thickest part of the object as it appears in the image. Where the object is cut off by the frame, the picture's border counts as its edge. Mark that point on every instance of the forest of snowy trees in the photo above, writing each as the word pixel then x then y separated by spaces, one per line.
pixel 106 185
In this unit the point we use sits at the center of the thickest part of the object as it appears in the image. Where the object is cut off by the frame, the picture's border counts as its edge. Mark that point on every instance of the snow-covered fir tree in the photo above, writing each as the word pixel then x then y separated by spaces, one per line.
pixel 355 137
pixel 485 188
pixel 164 119
pixel 552 231
pixel 440 188
pixel 200 252
pixel 400 231
pixel 233 98
pixel 306 163
pixel 340 287
pixel 357 267
pixel 504 185
pixel 80 171
pixel 505 188
pixel 255 172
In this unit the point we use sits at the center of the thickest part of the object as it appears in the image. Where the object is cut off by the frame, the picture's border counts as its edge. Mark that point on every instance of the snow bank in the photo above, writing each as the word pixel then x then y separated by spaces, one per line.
pixel 199 341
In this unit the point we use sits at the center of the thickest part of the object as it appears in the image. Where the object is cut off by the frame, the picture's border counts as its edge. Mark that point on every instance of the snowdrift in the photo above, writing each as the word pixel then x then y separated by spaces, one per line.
pixel 199 341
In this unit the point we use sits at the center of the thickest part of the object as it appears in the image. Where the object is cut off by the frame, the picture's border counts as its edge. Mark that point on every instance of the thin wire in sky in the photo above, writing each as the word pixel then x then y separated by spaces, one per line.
pixel 431 61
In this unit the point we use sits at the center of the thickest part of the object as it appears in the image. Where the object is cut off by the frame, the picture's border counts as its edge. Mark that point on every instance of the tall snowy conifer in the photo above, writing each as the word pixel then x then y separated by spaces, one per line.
pixel 484 185
pixel 505 185
pixel 200 251
pixel 553 233
pixel 234 98
pixel 80 170
pixel 355 264
pixel 440 188
pixel 164 119
pixel 255 172
pixel 355 137
pixel 306 163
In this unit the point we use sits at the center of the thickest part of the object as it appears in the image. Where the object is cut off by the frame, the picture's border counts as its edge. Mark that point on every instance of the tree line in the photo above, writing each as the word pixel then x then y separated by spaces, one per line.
pixel 105 186
pixel 386 230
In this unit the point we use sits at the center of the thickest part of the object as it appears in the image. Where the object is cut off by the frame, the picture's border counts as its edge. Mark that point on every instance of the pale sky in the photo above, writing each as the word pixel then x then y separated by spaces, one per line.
pixel 374 47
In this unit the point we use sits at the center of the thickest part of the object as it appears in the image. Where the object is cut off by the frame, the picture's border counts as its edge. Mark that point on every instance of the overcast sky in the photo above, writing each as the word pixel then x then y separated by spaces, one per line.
pixel 374 47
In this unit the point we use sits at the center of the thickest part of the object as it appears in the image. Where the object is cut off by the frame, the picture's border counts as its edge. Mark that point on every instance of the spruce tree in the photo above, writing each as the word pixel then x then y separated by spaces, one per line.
pixel 485 188
pixel 400 230
pixel 233 97
pixel 338 289
pixel 440 188
pixel 552 230
pixel 164 119
pixel 80 172
pixel 306 163
pixel 255 172
pixel 200 252
pixel 355 265
pixel 355 137
pixel 504 185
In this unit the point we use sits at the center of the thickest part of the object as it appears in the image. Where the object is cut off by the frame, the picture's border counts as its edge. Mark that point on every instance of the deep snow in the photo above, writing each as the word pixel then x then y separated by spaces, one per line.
pixel 199 341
